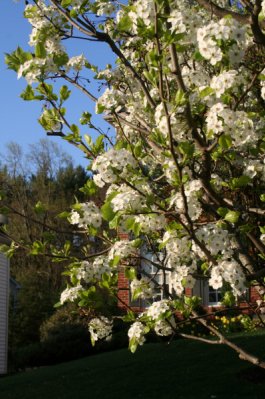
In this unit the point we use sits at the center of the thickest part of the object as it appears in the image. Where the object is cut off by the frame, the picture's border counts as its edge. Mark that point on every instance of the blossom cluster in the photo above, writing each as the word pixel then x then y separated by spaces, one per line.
pixel 100 328
pixel 151 222
pixel 88 214
pixel 144 10
pixel 71 294
pixel 221 119
pixel 112 164
pixel 137 332
pixel 158 309
pixel 231 272
pixel 128 199
pixel 165 327
pixel 122 249
pixel 209 36
pixel 92 271
pixel 191 197
pixel 216 239
pixel 142 288
pixel 182 277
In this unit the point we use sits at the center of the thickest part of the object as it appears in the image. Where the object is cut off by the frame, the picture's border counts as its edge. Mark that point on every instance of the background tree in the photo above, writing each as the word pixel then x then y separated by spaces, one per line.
pixel 38 186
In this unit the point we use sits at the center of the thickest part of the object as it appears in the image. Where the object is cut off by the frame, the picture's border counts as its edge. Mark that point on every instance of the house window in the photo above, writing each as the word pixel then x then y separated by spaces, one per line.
pixel 209 295
pixel 160 279
pixel 214 296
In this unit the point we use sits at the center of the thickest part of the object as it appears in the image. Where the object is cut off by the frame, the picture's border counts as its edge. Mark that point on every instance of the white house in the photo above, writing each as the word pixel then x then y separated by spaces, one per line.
pixel 4 304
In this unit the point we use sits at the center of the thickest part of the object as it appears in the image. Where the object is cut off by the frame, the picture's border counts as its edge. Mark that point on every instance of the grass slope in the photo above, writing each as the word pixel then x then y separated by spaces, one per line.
pixel 181 370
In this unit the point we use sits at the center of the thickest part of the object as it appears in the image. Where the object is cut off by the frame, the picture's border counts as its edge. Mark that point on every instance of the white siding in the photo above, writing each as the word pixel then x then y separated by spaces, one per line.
pixel 4 294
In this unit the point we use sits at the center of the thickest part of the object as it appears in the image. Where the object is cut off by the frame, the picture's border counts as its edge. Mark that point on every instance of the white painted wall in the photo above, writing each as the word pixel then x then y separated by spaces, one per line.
pixel 4 300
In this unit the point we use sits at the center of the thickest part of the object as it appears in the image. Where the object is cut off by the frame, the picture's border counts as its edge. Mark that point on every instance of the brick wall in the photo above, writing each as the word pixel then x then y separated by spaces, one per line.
pixel 123 283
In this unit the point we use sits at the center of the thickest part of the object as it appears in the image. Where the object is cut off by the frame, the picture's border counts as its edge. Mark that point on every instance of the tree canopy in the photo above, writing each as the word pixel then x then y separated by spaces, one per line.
pixel 184 177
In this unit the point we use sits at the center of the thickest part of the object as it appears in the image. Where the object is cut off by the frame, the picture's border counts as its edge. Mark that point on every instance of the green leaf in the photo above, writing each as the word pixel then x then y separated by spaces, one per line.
pixel 222 211
pixel 150 76
pixel 137 243
pixel 60 59
pixel 261 77
pixel 57 305
pixel 138 149
pixel 67 247
pixel 98 147
pixel 225 141
pixel 37 248
pixel 74 128
pixel 262 197
pixel 136 294
pixel 197 56
pixel 206 92
pixel 232 216
pixel 114 223
pixel 40 50
pixel 85 118
pixel 64 93
pixel 116 260
pixel 73 13
pixel 39 208
pixel 90 188
pixel 180 48
pixel 130 273
pixel 64 215
pixel 120 144
pixel 125 23
pixel 133 344
pixel 100 108
pixel 262 229
pixel 47 90
pixel 186 148
pixel 28 94
pixel 107 211
pixel 88 139
pixel 193 302
pixel 221 224
pixel 136 229
pixel 204 267
pixel 246 228
pixel 66 3
pixel 129 223
pixel 180 98
pixel 17 58
pixel 228 299
pixel 238 182
pixel 130 316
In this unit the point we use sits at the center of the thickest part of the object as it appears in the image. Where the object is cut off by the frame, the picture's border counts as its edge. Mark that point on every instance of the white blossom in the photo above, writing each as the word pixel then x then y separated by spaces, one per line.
pixel 71 294
pixel 111 165
pixel 158 309
pixel 137 332
pixel 100 328
pixel 165 327
pixel 142 288
pixel 93 270
pixel 89 215
pixel 122 249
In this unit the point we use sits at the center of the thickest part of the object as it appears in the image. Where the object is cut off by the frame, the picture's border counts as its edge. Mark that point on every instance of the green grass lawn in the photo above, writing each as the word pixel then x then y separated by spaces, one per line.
pixel 182 369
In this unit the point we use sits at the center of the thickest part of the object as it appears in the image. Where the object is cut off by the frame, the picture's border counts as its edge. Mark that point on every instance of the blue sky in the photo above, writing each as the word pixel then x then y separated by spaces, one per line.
pixel 18 117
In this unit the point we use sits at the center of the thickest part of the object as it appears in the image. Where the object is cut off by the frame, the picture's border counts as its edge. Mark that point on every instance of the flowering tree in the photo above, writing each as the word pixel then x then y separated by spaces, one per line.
pixel 185 178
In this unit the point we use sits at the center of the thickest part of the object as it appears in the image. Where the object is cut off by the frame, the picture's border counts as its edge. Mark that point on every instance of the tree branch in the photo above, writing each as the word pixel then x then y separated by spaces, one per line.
pixel 222 12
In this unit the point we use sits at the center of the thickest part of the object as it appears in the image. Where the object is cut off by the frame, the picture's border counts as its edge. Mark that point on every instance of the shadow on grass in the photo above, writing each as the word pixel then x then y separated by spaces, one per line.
pixel 181 370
